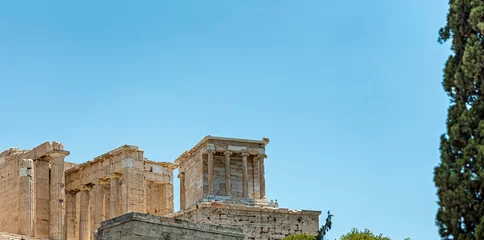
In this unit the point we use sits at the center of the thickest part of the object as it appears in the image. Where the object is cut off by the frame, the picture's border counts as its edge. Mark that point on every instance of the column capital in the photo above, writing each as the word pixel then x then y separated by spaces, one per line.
pixel 101 181
pixel 262 155
pixel 116 175
pixel 85 187
pixel 73 191
pixel 210 151
pixel 228 153
pixel 245 154
pixel 58 153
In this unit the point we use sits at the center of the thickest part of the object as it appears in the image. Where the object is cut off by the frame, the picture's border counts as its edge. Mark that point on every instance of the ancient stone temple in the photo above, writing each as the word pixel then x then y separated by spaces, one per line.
pixel 222 182
pixel 222 195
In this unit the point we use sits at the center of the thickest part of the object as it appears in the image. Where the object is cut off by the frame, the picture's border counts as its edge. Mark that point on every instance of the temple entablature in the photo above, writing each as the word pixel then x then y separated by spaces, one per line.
pixel 41 151
pixel 113 163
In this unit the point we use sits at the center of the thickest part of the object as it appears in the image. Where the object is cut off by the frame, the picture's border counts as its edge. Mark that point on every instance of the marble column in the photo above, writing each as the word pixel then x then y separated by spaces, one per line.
pixel 71 214
pixel 114 198
pixel 210 171
pixel 57 195
pixel 26 198
pixel 245 176
pixel 98 189
pixel 84 231
pixel 262 177
pixel 182 190
pixel 228 183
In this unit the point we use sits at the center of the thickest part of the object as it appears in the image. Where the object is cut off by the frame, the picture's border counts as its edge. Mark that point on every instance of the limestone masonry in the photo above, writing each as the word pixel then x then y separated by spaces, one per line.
pixel 123 195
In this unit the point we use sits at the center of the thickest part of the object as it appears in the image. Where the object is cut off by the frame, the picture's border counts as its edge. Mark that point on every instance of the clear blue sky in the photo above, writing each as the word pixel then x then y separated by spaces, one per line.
pixel 349 92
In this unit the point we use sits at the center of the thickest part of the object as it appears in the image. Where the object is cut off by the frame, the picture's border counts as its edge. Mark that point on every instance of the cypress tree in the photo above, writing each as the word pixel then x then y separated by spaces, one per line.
pixel 460 175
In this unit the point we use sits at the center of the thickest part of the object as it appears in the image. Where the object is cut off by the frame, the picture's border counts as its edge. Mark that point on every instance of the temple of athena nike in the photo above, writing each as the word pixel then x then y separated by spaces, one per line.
pixel 123 195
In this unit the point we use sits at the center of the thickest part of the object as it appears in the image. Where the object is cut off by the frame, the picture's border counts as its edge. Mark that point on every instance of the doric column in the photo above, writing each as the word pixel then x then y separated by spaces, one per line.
pixel 98 189
pixel 181 175
pixel 245 176
pixel 26 198
pixel 84 231
pixel 57 195
pixel 228 184
pixel 107 201
pixel 262 177
pixel 114 198
pixel 210 171
pixel 71 214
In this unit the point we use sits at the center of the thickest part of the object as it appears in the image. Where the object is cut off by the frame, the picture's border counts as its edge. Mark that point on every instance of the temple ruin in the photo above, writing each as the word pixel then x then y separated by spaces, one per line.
pixel 222 188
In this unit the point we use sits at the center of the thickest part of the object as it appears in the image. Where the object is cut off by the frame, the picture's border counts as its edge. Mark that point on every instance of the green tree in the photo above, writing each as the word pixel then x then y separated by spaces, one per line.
pixel 302 236
pixel 459 177
pixel 355 234
pixel 326 227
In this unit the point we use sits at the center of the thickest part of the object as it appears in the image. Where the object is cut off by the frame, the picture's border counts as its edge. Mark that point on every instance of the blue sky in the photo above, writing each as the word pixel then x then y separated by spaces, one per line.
pixel 349 92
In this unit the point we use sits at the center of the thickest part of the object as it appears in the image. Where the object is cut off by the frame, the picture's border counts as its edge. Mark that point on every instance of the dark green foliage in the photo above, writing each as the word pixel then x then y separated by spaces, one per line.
pixel 460 175
pixel 326 227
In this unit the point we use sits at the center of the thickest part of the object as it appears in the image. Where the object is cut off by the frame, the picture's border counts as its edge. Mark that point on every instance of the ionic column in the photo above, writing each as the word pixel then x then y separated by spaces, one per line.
pixel 114 198
pixel 84 232
pixel 57 195
pixel 182 190
pixel 245 176
pixel 228 184
pixel 262 176
pixel 98 189
pixel 26 198
pixel 210 171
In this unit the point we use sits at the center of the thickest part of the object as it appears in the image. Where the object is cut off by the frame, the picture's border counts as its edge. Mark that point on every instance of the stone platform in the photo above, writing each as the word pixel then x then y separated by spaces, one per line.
pixel 145 226
pixel 10 236
pixel 256 222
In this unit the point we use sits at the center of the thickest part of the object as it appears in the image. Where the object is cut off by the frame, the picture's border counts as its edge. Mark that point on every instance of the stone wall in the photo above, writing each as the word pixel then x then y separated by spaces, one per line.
pixel 257 223
pixel 193 183
pixel 144 226
pixel 28 203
